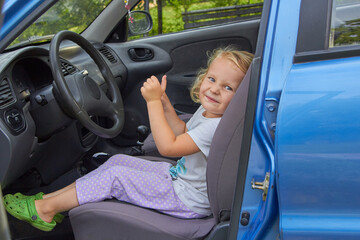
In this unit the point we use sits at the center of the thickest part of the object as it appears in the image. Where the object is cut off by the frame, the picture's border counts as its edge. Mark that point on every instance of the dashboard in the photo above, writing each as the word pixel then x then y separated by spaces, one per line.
pixel 32 116
pixel 23 81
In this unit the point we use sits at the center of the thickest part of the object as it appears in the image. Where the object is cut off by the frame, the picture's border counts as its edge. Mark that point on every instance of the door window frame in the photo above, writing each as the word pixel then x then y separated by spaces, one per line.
pixel 314 34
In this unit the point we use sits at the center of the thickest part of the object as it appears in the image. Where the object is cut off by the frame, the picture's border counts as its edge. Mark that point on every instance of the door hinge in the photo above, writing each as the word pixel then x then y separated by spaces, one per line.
pixel 262 185
pixel 272 105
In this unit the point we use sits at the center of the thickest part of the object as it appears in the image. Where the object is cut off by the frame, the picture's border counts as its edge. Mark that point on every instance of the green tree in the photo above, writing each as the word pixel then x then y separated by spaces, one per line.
pixel 348 33
pixel 69 15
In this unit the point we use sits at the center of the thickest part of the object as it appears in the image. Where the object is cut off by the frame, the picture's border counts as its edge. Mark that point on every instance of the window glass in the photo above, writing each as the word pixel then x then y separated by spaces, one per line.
pixel 345 23
pixel 178 15
pixel 66 14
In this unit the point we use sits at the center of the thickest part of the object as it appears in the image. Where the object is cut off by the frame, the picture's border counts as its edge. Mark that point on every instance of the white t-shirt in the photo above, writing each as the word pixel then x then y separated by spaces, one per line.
pixel 190 172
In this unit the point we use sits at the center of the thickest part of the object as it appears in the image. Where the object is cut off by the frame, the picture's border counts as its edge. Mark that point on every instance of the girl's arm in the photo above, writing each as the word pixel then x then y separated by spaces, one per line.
pixel 176 124
pixel 165 139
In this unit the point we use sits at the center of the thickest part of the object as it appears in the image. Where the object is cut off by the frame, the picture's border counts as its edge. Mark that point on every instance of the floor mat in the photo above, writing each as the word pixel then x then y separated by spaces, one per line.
pixel 24 231
pixel 63 231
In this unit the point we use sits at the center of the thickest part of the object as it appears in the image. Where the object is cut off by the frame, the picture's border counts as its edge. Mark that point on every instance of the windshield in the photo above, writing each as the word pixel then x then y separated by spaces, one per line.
pixel 70 15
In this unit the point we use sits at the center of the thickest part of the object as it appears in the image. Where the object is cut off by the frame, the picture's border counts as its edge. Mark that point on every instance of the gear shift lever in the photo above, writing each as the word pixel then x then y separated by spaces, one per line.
pixel 143 132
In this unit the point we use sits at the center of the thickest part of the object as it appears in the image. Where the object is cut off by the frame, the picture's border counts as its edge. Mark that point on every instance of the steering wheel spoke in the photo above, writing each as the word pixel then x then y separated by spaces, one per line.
pixel 71 82
pixel 81 94
pixel 102 107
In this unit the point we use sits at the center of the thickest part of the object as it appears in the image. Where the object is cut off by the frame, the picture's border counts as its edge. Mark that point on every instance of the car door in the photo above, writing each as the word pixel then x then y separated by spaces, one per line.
pixel 305 145
pixel 317 144
pixel 178 55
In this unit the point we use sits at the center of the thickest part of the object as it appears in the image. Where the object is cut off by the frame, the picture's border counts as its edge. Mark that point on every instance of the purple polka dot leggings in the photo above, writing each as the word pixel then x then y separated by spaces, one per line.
pixel 141 182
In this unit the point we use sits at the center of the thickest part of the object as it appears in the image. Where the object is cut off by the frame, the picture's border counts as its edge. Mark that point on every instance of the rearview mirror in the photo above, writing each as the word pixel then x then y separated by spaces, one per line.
pixel 140 22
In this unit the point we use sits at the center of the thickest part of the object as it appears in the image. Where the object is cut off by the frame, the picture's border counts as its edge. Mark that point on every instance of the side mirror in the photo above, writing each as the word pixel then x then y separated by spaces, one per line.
pixel 140 22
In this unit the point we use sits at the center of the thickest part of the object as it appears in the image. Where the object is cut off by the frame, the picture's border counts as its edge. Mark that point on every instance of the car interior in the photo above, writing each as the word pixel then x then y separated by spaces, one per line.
pixel 52 133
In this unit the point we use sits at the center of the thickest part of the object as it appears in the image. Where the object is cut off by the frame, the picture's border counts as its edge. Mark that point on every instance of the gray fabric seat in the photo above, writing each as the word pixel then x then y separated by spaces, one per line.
pixel 149 144
pixel 118 220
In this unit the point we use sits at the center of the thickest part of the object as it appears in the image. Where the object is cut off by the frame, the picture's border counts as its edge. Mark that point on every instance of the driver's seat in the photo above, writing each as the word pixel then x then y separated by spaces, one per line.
pixel 118 220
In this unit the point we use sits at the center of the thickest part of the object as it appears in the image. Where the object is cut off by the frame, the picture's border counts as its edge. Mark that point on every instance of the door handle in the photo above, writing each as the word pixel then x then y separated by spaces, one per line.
pixel 140 54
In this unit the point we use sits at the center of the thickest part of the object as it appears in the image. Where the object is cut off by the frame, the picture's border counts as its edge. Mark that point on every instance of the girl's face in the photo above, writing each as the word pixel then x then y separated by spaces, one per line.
pixel 219 86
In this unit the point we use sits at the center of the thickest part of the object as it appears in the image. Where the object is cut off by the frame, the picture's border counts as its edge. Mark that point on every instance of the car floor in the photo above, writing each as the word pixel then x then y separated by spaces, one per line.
pixel 24 231
pixel 30 183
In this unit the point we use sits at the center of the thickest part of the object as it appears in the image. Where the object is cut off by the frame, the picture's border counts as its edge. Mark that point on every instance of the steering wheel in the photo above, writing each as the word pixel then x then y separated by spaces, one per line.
pixel 81 95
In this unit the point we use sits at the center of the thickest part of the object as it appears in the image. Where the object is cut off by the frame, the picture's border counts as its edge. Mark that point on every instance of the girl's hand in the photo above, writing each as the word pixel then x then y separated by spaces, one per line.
pixel 152 90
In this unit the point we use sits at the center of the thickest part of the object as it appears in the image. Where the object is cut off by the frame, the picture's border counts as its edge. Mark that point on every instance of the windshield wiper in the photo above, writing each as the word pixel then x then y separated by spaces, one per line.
pixel 31 40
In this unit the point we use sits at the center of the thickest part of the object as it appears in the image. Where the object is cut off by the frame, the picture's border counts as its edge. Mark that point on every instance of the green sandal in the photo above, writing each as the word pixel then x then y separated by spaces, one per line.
pixel 25 210
pixel 58 218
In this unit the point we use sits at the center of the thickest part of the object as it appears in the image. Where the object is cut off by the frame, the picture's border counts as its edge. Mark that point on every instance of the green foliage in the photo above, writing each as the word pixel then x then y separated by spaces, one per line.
pixel 172 19
pixel 348 33
pixel 65 14
pixel 77 15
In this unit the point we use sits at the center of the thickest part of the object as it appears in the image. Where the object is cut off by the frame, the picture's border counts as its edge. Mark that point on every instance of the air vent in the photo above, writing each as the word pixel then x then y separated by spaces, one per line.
pixel 67 68
pixel 108 54
pixel 6 96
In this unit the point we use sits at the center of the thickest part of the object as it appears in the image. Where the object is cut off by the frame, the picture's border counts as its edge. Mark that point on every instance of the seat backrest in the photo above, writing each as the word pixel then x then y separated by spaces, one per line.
pixel 224 153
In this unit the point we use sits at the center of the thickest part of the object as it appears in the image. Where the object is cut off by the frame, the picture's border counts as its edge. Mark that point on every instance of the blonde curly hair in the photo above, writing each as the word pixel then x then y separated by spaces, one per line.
pixel 241 59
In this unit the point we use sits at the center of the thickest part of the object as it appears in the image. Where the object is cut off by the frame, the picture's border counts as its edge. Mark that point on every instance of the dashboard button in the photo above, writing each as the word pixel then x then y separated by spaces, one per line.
pixel 14 119
pixel 41 99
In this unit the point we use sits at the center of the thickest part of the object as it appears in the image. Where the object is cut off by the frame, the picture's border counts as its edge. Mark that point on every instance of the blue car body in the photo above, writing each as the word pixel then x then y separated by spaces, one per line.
pixel 305 135
pixel 14 11
pixel 315 154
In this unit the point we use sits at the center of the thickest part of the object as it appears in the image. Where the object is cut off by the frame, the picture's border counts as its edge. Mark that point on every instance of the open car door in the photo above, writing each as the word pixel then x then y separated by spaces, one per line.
pixel 317 131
